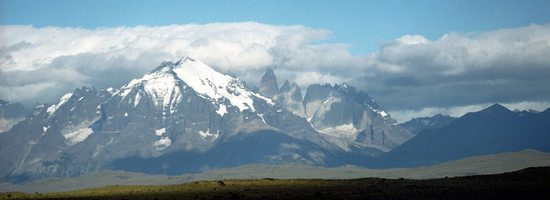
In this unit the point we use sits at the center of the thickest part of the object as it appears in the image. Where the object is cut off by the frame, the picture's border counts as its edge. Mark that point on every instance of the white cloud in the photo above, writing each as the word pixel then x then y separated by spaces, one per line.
pixel 409 73
pixel 412 39
pixel 70 57
pixel 528 105
pixel 505 66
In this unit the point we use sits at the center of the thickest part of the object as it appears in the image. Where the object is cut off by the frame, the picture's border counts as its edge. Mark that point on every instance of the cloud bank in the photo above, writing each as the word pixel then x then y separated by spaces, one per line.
pixel 508 65
pixel 406 75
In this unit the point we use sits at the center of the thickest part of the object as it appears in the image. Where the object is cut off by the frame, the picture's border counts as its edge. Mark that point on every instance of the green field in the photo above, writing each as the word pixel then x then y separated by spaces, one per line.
pixel 487 164
pixel 531 183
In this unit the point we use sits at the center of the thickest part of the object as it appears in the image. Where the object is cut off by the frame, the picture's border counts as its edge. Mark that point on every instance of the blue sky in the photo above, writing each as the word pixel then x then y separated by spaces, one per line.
pixel 365 25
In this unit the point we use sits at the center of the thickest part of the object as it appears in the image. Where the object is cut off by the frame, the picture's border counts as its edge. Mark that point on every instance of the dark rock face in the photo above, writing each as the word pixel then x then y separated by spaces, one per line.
pixel 492 130
pixel 233 151
pixel 343 115
pixel 290 96
pixel 342 111
pixel 294 91
pixel 268 84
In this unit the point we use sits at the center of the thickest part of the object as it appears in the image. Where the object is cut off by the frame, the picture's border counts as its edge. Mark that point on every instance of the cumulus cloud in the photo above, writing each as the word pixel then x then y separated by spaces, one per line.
pixel 39 64
pixel 506 66
pixel 406 75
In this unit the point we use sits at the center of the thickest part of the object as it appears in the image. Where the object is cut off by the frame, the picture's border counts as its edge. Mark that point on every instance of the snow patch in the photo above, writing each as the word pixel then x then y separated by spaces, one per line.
pixel 268 100
pixel 342 136
pixel 51 110
pixel 222 110
pixel 78 135
pixel 162 143
pixel 136 99
pixel 75 133
pixel 262 117
pixel 208 135
pixel 382 113
pixel 341 130
pixel 161 131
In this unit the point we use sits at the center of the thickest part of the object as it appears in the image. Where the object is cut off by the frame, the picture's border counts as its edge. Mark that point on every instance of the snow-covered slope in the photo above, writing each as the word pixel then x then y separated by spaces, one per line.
pixel 216 86
pixel 222 90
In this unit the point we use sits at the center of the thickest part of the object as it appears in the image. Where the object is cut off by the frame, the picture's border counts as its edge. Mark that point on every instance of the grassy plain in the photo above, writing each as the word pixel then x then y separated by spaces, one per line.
pixel 530 183
pixel 479 165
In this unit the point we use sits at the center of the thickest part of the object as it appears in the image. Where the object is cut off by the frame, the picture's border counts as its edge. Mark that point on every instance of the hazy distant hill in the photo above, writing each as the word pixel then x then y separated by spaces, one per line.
pixel 420 124
pixel 10 114
pixel 492 130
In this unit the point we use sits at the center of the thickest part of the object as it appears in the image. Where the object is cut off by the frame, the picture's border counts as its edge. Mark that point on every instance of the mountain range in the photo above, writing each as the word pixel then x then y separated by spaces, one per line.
pixel 492 130
pixel 347 117
pixel 417 125
pixel 186 117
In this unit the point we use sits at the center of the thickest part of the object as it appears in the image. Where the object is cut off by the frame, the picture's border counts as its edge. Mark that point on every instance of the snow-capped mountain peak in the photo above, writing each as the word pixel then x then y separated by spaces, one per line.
pixel 214 85
pixel 164 85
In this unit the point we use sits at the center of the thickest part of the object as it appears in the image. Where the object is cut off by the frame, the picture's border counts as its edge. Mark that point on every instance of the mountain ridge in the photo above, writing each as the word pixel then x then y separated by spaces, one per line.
pixel 417 125
pixel 185 117
pixel 181 109
pixel 491 130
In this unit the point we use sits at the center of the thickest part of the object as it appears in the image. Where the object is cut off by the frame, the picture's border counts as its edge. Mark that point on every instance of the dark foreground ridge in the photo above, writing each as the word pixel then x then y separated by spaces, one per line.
pixel 530 183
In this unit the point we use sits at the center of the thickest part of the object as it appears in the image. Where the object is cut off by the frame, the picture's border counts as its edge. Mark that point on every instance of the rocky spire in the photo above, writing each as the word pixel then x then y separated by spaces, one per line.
pixel 268 84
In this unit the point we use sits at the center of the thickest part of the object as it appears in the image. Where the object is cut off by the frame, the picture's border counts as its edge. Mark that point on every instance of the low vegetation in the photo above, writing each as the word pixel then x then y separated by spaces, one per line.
pixel 525 184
